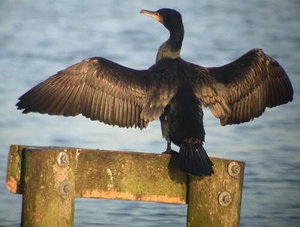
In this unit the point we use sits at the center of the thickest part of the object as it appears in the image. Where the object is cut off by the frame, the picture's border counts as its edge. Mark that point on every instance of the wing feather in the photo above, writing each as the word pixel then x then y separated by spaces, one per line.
pixel 96 88
pixel 243 88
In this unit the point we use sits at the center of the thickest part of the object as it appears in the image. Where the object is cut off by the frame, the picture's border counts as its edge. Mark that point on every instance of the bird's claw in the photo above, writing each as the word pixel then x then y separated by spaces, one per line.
pixel 170 152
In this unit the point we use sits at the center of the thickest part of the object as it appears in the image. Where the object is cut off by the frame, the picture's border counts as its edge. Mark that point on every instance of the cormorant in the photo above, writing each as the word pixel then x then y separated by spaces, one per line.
pixel 172 90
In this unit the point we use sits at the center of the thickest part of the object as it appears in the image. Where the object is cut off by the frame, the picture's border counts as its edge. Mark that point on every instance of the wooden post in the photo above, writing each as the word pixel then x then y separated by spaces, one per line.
pixel 50 178
pixel 216 200
pixel 48 189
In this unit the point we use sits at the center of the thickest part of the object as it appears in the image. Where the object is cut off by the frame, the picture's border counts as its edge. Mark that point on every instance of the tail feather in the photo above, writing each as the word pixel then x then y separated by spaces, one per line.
pixel 194 160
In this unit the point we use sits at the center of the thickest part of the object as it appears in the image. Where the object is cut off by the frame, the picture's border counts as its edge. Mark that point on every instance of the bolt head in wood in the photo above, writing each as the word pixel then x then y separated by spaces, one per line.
pixel 225 199
pixel 63 159
pixel 234 169
pixel 65 187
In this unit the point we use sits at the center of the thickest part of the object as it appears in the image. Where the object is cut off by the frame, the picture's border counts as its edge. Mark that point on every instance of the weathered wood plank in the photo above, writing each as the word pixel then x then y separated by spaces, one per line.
pixel 130 176
pixel 216 200
pixel 114 174
pixel 48 196
pixel 71 172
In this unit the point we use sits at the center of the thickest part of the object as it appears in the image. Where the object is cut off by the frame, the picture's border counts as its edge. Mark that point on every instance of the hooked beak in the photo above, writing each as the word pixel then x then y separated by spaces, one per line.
pixel 153 14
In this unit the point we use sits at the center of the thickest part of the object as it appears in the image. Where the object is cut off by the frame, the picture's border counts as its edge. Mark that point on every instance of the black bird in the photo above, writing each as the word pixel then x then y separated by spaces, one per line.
pixel 172 90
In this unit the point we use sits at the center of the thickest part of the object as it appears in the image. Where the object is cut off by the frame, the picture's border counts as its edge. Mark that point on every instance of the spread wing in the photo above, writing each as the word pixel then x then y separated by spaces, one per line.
pixel 241 90
pixel 100 90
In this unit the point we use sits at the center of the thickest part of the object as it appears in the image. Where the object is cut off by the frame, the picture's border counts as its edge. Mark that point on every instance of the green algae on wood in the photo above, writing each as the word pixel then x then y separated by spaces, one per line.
pixel 46 199
pixel 216 200
pixel 130 176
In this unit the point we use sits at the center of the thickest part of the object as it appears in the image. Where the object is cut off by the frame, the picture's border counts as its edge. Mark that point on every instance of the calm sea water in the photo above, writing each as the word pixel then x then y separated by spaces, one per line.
pixel 39 38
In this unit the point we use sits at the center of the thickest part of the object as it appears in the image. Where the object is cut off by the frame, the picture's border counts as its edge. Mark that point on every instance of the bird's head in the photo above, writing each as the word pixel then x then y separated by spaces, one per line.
pixel 170 18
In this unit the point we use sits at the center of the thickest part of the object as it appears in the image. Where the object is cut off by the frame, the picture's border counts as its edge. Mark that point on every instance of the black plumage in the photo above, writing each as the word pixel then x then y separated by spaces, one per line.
pixel 172 90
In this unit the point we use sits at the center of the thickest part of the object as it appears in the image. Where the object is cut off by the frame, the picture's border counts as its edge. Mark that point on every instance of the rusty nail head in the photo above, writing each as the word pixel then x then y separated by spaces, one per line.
pixel 65 188
pixel 234 169
pixel 225 199
pixel 63 159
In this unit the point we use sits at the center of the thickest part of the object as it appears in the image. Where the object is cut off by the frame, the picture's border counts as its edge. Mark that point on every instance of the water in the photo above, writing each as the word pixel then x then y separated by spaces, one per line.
pixel 39 38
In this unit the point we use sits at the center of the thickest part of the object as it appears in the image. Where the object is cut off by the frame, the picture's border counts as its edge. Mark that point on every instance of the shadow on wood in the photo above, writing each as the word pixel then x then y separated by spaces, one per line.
pixel 50 178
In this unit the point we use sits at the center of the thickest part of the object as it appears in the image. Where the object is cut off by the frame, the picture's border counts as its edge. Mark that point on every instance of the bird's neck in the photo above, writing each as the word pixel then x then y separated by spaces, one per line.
pixel 171 48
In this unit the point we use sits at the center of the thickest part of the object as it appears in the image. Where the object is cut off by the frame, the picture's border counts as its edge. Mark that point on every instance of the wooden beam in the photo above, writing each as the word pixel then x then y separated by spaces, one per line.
pixel 112 174
pixel 51 177
pixel 130 176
